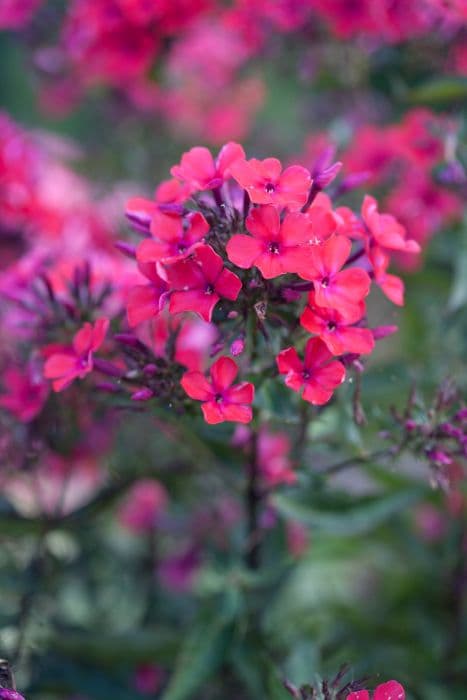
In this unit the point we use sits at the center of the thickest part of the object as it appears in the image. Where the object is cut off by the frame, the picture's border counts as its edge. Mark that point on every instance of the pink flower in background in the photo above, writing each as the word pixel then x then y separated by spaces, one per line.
pixel 148 678
pixel 75 361
pixel 143 506
pixel 14 14
pixel 56 486
pixel 194 342
pixel 298 538
pixel 273 450
pixel 385 230
pixel 178 572
pixel 25 392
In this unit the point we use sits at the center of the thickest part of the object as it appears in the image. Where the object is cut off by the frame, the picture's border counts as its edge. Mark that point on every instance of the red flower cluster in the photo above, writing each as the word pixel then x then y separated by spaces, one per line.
pixel 258 238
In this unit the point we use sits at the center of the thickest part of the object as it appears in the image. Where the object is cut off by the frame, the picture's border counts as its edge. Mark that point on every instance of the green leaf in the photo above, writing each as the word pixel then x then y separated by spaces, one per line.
pixel 364 515
pixel 202 653
pixel 458 295
pixel 440 91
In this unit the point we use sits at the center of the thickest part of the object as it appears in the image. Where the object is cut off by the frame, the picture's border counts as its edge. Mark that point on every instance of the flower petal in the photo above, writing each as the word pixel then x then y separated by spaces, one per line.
pixel 197 386
pixel 288 360
pixel 223 373
pixel 243 250
pixel 241 393
pixel 264 223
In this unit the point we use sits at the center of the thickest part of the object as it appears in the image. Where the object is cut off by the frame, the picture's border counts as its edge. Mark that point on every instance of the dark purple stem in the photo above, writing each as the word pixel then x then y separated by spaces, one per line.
pixel 355 256
pixel 314 190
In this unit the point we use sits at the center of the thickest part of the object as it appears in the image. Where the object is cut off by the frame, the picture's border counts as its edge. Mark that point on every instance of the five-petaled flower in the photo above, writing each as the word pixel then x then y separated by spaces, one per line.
pixel 336 330
pixel 198 282
pixel 267 183
pixel 276 248
pixel 334 287
pixel 319 374
pixel 75 361
pixel 222 400
pixel 200 171
pixel 392 690
pixel 174 238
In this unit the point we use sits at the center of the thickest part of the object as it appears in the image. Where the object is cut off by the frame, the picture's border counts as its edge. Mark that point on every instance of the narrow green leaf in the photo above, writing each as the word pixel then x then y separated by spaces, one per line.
pixel 440 91
pixel 364 516
pixel 202 653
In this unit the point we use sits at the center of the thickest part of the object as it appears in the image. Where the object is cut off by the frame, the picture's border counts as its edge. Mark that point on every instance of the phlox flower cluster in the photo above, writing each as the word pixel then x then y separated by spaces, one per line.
pixel 261 256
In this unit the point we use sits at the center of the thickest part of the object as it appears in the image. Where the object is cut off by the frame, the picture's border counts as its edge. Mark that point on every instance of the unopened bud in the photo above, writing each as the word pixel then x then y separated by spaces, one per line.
pixel 237 347
pixel 383 331
pixel 126 248
pixel 142 395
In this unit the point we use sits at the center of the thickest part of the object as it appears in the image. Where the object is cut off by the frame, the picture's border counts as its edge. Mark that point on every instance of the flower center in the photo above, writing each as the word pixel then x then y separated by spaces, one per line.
pixel 306 374
pixel 269 187
pixel 331 326
pixel 273 248
pixel 325 282
pixel 181 247
pixel 219 398
pixel 209 289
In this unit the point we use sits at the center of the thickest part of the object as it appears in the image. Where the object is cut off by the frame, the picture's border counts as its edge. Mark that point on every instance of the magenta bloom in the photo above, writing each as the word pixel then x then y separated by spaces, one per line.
pixel 273 458
pixel 319 374
pixel 25 394
pixel 174 238
pixel 222 400
pixel 392 690
pixel 335 288
pixel 200 171
pixel 276 248
pixel 336 330
pixel 385 230
pixel 267 183
pixel 76 361
pixel 148 678
pixel 145 301
pixel 144 503
pixel 199 282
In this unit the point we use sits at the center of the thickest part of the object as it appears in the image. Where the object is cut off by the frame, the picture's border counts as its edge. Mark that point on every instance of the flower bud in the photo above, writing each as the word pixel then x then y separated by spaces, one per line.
pixel 142 395
pixel 237 347
pixel 126 248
